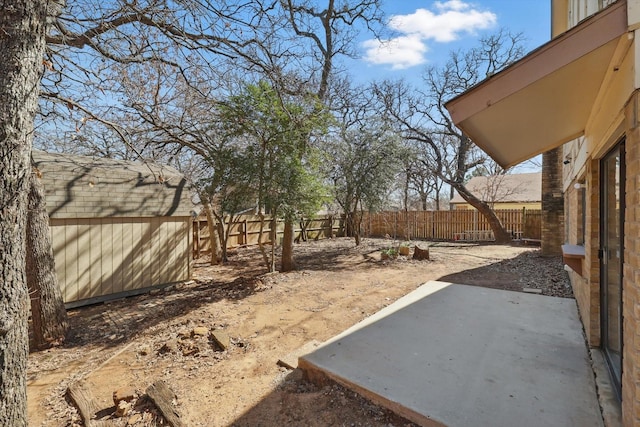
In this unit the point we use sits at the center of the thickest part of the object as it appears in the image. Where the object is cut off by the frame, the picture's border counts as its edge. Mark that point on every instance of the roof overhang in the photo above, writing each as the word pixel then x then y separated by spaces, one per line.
pixel 544 99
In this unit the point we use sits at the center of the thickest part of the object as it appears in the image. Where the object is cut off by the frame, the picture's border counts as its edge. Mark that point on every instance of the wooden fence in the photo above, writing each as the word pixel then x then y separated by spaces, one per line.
pixel 428 225
pixel 246 231
pixel 450 225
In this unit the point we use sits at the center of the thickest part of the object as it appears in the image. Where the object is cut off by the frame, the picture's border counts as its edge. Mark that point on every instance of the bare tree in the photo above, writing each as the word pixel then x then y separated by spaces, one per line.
pixel 421 117
pixel 48 315
pixel 419 178
pixel 328 31
pixel 363 154
pixel 23 26
pixel 495 185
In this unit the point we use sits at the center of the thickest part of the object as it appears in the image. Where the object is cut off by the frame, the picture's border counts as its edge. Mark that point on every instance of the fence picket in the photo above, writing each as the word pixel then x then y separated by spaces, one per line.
pixel 426 225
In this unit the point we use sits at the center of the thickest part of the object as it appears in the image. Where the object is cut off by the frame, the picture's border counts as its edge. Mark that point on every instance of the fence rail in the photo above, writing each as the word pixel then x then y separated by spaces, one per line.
pixel 428 225
pixel 449 225
pixel 246 231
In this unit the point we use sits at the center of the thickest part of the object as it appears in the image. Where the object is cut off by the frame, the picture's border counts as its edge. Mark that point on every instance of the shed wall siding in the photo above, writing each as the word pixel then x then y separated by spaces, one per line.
pixel 103 256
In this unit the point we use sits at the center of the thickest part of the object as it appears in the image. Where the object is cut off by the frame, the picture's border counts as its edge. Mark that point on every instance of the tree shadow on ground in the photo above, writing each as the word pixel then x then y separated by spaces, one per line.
pixel 299 402
pixel 115 322
pixel 516 274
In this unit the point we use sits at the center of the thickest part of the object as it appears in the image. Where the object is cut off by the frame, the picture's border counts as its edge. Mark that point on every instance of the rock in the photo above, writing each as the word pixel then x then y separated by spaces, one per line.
pixel 134 419
pixel 184 334
pixel 220 339
pixel 170 346
pixel 122 408
pixel 126 394
pixel 201 331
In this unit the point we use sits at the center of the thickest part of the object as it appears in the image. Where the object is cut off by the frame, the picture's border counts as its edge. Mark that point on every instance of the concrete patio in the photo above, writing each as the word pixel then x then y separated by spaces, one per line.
pixel 457 355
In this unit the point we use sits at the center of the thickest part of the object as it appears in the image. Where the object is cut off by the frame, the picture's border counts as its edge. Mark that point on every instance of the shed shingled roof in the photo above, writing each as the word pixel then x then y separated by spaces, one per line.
pixel 511 188
pixel 88 187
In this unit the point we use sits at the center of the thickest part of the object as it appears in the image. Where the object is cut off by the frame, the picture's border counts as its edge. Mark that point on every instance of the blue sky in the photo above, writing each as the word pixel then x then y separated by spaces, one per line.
pixel 423 32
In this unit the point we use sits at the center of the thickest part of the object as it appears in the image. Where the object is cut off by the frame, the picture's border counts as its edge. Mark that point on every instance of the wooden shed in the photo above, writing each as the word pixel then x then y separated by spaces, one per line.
pixel 118 227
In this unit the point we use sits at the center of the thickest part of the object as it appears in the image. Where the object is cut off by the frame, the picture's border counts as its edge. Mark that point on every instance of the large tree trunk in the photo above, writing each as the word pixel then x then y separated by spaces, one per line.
pixel 356 224
pixel 287 262
pixel 22 44
pixel 501 235
pixel 48 315
pixel 265 257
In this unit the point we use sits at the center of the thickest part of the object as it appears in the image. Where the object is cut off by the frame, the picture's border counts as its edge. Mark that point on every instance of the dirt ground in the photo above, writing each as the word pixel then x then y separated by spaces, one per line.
pixel 129 344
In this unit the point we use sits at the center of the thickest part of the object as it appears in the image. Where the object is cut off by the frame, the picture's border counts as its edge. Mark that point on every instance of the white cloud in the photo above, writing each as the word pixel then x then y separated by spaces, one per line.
pixel 400 52
pixel 450 20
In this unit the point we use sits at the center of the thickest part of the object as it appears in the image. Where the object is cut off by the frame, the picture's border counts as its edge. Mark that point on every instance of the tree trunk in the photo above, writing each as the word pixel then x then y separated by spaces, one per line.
pixel 405 196
pixel 356 225
pixel 287 262
pixel 48 315
pixel 501 235
pixel 273 236
pixel 213 234
pixel 22 43
pixel 263 251
pixel 224 229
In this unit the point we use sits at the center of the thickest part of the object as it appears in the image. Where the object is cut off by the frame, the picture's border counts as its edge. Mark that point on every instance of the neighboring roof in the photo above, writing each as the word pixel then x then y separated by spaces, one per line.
pixel 88 187
pixel 544 99
pixel 522 187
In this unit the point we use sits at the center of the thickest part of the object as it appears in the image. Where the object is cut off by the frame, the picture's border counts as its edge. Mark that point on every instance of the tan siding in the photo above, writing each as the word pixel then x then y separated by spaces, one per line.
pixel 137 266
pixel 99 257
pixel 155 250
pixel 128 252
pixel 165 236
pixel 172 241
pixel 118 257
pixel 71 264
pixel 146 266
pixel 95 258
pixel 57 240
pixel 83 260
pixel 107 257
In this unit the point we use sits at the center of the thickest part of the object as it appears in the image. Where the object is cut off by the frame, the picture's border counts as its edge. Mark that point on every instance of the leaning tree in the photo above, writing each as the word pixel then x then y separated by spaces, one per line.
pixel 421 117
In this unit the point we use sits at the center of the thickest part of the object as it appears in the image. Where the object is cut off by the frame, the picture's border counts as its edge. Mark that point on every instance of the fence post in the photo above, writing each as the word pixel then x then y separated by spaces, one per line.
pixel 196 238
pixel 395 225
pixel 245 232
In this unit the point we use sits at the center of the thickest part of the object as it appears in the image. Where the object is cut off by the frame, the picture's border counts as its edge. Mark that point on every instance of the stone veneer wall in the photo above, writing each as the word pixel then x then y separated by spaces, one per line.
pixel 591 266
pixel 631 273
pixel 552 203
pixel 586 286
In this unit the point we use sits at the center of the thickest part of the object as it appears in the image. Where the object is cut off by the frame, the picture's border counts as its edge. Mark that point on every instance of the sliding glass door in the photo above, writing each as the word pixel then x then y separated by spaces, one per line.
pixel 611 257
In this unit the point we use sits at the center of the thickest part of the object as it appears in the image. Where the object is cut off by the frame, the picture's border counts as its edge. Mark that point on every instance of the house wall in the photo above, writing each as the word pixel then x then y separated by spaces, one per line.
pixel 631 271
pixel 600 138
pixel 552 203
pixel 498 205
pixel 615 114
pixel 586 283
pixel 103 258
